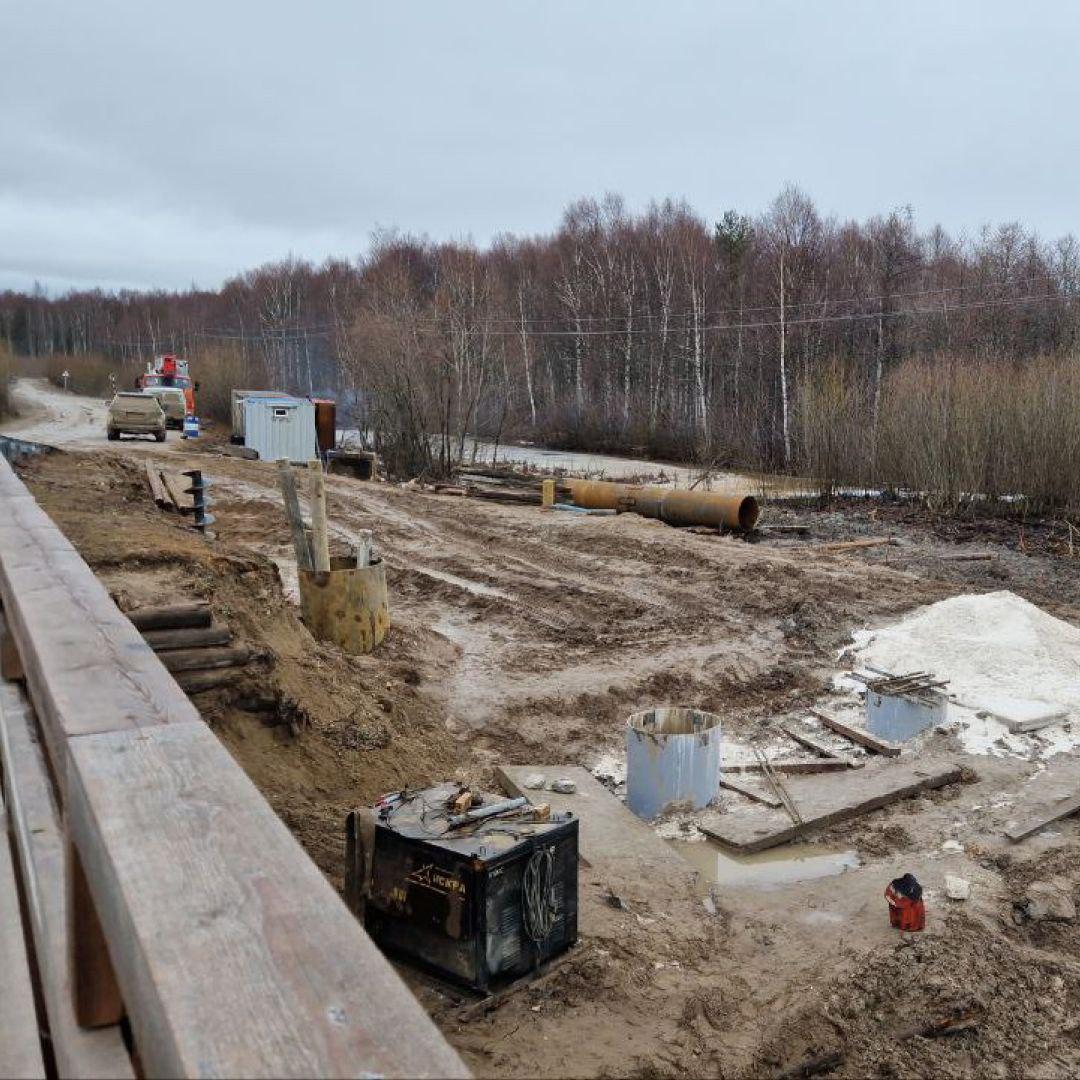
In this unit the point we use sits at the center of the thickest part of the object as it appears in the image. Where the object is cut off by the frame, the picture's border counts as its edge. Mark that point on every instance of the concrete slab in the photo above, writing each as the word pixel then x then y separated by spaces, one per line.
pixel 1024 714
pixel 609 835
pixel 825 800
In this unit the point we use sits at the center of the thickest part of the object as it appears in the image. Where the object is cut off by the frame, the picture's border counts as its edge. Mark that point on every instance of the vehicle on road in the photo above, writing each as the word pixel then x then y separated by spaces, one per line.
pixel 171 371
pixel 173 402
pixel 135 413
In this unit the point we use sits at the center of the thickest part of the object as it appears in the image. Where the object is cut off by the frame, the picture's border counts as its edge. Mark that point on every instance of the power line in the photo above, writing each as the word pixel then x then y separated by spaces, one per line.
pixel 516 323
pixel 787 323
pixel 302 335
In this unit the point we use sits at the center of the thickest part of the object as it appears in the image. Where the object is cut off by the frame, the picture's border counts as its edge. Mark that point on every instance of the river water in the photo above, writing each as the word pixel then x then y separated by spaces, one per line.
pixel 611 467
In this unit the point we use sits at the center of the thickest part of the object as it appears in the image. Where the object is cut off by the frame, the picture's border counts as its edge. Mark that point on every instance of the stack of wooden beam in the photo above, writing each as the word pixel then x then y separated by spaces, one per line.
pixel 199 654
pixel 498 485
pixel 169 489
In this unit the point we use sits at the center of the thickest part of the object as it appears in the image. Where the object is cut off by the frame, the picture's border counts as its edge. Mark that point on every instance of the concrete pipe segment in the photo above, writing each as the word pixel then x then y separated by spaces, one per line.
pixel 672 759
pixel 705 508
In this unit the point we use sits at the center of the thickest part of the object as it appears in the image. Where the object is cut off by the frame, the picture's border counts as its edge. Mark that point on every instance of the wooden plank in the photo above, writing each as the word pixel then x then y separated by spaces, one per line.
pixel 815 745
pixel 171 617
pixel 97 996
pixel 609 835
pixel 301 545
pixel 1035 819
pixel 855 545
pixel 20 1044
pixel 320 542
pixel 87 668
pixel 792 766
pixel 160 640
pixel 176 485
pixel 197 682
pixel 39 844
pixel 858 735
pixel 236 954
pixel 157 488
pixel 206 659
pixel 10 664
pixel 749 791
pixel 826 801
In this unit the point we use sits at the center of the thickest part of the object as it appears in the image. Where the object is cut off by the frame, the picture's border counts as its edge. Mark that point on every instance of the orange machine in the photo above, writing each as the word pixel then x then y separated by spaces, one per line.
pixel 907 911
pixel 170 371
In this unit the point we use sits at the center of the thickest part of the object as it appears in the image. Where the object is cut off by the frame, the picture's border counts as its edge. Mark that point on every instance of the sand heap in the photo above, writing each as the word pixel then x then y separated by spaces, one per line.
pixel 999 652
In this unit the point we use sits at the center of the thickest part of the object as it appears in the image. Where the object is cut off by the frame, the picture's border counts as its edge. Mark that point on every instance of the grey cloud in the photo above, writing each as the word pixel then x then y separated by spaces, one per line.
pixel 152 143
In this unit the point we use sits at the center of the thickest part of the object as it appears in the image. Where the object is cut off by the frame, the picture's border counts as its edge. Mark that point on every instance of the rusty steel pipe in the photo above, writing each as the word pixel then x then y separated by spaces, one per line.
pixel 673 507
pixel 709 508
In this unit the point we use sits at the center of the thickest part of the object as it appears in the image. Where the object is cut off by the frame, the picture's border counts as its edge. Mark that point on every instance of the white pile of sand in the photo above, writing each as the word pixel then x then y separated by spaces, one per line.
pixel 997 650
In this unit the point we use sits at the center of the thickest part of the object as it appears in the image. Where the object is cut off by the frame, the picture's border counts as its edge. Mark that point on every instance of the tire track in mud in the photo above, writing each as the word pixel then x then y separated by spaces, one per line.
pixel 560 625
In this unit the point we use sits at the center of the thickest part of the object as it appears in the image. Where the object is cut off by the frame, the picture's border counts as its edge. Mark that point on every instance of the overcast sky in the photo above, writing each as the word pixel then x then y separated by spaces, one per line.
pixel 158 144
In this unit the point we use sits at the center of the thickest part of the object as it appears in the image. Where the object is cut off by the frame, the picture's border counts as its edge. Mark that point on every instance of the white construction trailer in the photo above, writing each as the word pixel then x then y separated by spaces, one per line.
pixel 280 427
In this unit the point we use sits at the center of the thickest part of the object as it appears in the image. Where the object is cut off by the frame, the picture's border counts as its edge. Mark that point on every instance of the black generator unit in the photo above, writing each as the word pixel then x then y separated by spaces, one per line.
pixel 480 904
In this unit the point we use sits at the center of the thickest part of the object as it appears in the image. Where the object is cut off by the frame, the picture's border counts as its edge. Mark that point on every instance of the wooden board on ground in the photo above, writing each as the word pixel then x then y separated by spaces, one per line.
pixel 608 833
pixel 192 637
pixel 825 801
pixel 1052 795
pixel 39 845
pixel 206 659
pixel 20 1046
pixel 157 488
pixel 816 745
pixel 858 735
pixel 176 484
pixel 198 682
pixel 751 792
pixel 171 616
pixel 791 767
pixel 856 545
pixel 241 957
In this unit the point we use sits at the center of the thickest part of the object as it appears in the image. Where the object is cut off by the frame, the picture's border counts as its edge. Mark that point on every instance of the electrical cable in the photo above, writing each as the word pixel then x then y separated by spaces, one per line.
pixel 631 331
pixel 539 900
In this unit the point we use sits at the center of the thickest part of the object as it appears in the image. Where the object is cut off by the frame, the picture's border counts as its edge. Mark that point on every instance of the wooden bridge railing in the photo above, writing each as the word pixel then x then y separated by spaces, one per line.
pixel 176 928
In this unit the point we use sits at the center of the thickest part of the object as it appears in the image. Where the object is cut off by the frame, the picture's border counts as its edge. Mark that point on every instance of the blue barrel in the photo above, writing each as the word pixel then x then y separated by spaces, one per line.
pixel 191 427
pixel 672 758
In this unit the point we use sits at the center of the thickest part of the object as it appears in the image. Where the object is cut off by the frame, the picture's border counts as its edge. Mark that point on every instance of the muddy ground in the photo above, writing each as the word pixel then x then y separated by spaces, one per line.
pixel 520 637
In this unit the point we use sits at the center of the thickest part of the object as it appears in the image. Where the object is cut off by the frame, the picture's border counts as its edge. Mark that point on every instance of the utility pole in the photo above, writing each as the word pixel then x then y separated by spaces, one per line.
pixel 783 366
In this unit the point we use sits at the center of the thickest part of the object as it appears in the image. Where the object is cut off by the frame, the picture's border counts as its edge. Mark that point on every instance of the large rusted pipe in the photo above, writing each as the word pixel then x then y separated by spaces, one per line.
pixel 710 508
pixel 707 508
pixel 597 494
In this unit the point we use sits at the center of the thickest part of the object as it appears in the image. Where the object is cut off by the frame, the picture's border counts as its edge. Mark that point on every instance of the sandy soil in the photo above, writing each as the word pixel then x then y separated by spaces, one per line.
pixel 520 636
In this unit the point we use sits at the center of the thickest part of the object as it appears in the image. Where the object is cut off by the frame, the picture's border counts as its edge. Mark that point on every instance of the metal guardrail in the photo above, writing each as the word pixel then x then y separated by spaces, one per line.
pixel 14 449
pixel 160 886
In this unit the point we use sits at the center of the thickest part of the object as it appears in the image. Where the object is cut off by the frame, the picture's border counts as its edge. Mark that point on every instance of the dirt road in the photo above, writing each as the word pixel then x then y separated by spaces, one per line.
pixel 521 637
pixel 51 416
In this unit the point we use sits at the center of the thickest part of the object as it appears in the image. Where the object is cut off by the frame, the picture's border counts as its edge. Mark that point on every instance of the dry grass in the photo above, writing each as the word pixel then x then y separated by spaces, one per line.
pixel 92 374
pixel 952 429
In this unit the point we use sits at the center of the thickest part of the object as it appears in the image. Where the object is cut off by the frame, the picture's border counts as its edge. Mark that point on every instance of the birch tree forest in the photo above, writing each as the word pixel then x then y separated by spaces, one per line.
pixel 856 352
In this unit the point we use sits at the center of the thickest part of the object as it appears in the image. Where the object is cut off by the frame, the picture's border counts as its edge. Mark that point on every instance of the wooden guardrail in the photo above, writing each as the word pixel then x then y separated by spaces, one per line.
pixel 159 885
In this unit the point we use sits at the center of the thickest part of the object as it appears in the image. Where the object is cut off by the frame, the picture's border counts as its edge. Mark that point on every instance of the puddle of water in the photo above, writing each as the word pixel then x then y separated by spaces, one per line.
pixel 477 588
pixel 767 869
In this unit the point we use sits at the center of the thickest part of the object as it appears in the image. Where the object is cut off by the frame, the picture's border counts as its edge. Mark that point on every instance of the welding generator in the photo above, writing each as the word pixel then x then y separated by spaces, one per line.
pixel 475 888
